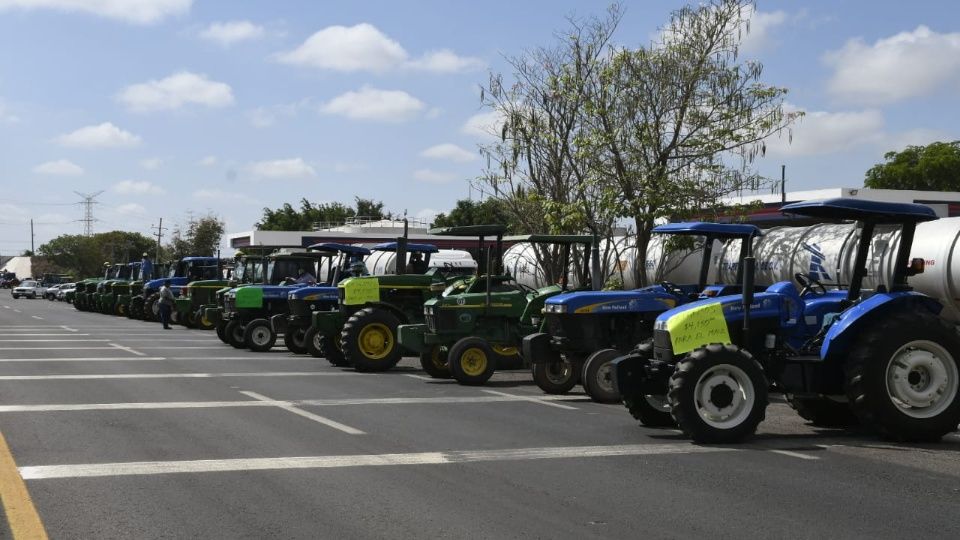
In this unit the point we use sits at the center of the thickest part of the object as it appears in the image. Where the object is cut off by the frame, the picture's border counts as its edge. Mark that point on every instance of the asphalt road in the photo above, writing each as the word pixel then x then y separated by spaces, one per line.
pixel 123 430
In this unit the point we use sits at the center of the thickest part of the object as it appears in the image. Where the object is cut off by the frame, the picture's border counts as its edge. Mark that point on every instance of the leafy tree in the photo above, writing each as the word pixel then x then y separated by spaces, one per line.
pixel 469 212
pixel 83 256
pixel 200 237
pixel 935 167
pixel 309 215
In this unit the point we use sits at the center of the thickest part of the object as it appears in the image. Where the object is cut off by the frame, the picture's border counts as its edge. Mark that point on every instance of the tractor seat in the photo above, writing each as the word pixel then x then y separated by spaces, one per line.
pixel 793 302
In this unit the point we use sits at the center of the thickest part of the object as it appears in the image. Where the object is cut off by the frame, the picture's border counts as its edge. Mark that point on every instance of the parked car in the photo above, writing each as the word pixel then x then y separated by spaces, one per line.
pixel 66 289
pixel 30 288
pixel 50 293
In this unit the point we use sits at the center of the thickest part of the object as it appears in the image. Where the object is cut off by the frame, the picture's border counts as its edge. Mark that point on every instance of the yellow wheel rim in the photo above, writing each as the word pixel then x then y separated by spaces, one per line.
pixel 121 310
pixel 503 350
pixel 436 357
pixel 205 321
pixel 375 341
pixel 473 361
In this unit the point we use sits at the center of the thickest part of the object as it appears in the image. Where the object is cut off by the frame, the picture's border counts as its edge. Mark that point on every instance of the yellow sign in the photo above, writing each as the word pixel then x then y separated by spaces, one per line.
pixel 697 327
pixel 361 290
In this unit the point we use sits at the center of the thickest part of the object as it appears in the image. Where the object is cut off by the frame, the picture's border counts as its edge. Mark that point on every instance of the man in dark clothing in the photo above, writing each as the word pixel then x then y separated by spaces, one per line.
pixel 166 304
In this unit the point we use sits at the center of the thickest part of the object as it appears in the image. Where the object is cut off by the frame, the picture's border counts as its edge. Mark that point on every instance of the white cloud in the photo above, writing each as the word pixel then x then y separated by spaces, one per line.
pixel 821 132
pixel 283 168
pixel 176 91
pixel 347 48
pixel 151 164
pixel 374 104
pixel 447 61
pixel 133 11
pixel 484 124
pixel 449 152
pixel 261 117
pixel 105 135
pixel 762 26
pixel 137 187
pixel 230 32
pixel 7 117
pixel 914 137
pixel 431 176
pixel 131 209
pixel 427 215
pixel 363 47
pixel 221 195
pixel 60 167
pixel 208 161
pixel 908 64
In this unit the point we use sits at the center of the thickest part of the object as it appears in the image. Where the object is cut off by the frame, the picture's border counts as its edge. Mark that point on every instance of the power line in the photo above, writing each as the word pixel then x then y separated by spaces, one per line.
pixel 88 202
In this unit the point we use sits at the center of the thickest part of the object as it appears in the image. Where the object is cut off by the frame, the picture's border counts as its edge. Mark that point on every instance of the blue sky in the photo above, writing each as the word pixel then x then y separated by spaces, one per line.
pixel 173 106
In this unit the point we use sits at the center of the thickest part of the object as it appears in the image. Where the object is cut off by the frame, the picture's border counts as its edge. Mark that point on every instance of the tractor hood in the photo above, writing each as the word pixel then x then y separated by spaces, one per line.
pixel 252 296
pixel 155 284
pixel 649 299
pixel 313 294
pixel 765 304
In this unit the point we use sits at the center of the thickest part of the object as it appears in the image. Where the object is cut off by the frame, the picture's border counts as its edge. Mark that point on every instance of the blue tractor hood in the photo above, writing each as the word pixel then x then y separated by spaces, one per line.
pixel 175 282
pixel 275 292
pixel 315 293
pixel 648 299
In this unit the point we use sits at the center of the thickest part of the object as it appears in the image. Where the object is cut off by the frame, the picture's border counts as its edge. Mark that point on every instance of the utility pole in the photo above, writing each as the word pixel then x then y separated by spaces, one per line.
pixel 160 228
pixel 89 199
pixel 31 237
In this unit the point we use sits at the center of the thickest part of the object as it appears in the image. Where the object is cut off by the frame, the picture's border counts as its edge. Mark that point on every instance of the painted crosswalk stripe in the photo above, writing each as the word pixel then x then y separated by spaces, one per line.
pixel 305 414
pixel 532 399
pixel 174 375
pixel 90 470
pixel 127 349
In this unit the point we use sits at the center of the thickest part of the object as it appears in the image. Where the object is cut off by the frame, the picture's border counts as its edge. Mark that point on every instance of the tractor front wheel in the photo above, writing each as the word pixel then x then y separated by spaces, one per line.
pixel 151 308
pixel 259 336
pixel 650 410
pixel 556 377
pixel 222 331
pixel 369 340
pixel 201 321
pixel 472 361
pixel 330 349
pixel 718 394
pixel 234 333
pixel 434 362
pixel 598 376
pixel 294 340
pixel 903 377
pixel 313 341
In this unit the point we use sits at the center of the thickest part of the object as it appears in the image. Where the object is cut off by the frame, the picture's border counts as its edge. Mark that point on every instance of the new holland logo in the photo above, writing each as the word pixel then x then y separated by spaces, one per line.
pixel 816 271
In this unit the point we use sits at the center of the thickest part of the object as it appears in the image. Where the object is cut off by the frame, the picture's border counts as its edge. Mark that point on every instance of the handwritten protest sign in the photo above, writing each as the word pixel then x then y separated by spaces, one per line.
pixel 697 327
pixel 361 290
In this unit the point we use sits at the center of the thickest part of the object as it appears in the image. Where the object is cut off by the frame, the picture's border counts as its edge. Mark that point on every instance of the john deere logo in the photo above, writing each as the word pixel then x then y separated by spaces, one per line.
pixel 461 301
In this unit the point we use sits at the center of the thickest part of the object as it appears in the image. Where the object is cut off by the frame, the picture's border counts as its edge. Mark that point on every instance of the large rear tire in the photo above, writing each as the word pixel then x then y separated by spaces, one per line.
pixel 295 340
pixel 434 362
pixel 598 376
pixel 151 308
pixel 369 340
pixel 472 361
pixel 556 377
pixel 903 377
pixel 259 336
pixel 718 394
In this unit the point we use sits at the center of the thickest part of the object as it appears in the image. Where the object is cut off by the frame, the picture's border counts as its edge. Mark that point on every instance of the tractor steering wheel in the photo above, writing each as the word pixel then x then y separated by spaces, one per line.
pixel 672 288
pixel 809 284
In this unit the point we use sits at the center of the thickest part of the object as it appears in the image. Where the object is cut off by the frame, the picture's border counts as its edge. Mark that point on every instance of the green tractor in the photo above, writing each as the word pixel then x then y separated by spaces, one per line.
pixel 196 296
pixel 247 269
pixel 478 326
pixel 362 332
pixel 135 300
pixel 110 298
pixel 87 296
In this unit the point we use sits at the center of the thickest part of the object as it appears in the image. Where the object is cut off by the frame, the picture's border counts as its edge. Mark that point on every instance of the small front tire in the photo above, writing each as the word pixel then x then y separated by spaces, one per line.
pixel 556 377
pixel 259 336
pixel 598 376
pixel 434 362
pixel 472 361
pixel 235 334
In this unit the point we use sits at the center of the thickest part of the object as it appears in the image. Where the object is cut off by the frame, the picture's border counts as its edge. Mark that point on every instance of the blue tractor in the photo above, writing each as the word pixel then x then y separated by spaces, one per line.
pixel 182 272
pixel 884 356
pixel 587 330
pixel 345 261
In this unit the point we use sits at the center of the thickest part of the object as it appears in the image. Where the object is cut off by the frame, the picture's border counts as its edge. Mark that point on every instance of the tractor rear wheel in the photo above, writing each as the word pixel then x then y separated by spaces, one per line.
pixel 903 377
pixel 330 349
pixel 201 321
pixel 234 333
pixel 434 362
pixel 259 336
pixel 472 361
pixel 151 308
pixel 294 340
pixel 188 319
pixel 369 340
pixel 598 376
pixel 120 309
pixel 823 412
pixel 557 376
pixel 650 410
pixel 718 394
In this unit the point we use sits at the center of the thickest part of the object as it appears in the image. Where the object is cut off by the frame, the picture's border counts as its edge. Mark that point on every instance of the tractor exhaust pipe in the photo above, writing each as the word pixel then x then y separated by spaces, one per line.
pixel 749 266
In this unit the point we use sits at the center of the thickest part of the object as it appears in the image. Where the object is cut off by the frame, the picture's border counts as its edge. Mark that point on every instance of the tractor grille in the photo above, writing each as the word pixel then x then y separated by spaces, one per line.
pixel 431 321
pixel 565 326
pixel 229 305
pixel 299 307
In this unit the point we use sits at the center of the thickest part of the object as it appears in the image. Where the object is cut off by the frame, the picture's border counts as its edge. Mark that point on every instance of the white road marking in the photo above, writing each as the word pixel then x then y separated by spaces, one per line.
pixel 69 329
pixel 51 340
pixel 191 347
pixel 37 318
pixel 308 415
pixel 172 375
pixel 57 348
pixel 87 359
pixel 6 307
pixel 18 311
pixel 42 335
pixel 42 472
pixel 421 377
pixel 532 399
pixel 67 407
pixel 127 349
pixel 794 454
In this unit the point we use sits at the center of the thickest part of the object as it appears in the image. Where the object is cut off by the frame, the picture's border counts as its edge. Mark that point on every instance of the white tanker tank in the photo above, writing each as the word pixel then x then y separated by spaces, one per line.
pixel 381 263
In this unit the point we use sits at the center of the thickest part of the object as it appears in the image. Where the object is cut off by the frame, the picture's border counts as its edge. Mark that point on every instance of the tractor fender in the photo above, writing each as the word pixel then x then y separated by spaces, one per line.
pixel 392 308
pixel 848 325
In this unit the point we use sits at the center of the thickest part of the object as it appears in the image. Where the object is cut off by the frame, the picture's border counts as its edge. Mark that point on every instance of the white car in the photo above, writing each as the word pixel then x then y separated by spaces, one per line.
pixel 64 289
pixel 30 288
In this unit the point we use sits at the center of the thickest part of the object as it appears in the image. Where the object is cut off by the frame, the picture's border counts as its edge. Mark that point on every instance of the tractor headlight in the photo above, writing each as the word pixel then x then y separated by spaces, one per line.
pixel 428 310
pixel 555 308
pixel 660 325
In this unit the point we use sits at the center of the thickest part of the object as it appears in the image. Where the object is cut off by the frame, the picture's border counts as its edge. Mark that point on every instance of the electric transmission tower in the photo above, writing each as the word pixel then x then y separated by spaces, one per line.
pixel 89 199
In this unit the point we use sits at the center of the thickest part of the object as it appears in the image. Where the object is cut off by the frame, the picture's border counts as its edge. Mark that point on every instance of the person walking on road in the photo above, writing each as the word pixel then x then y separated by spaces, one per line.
pixel 166 304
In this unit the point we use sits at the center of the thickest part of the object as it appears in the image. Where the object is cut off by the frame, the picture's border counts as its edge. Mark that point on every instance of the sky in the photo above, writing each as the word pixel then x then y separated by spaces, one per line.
pixel 173 107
